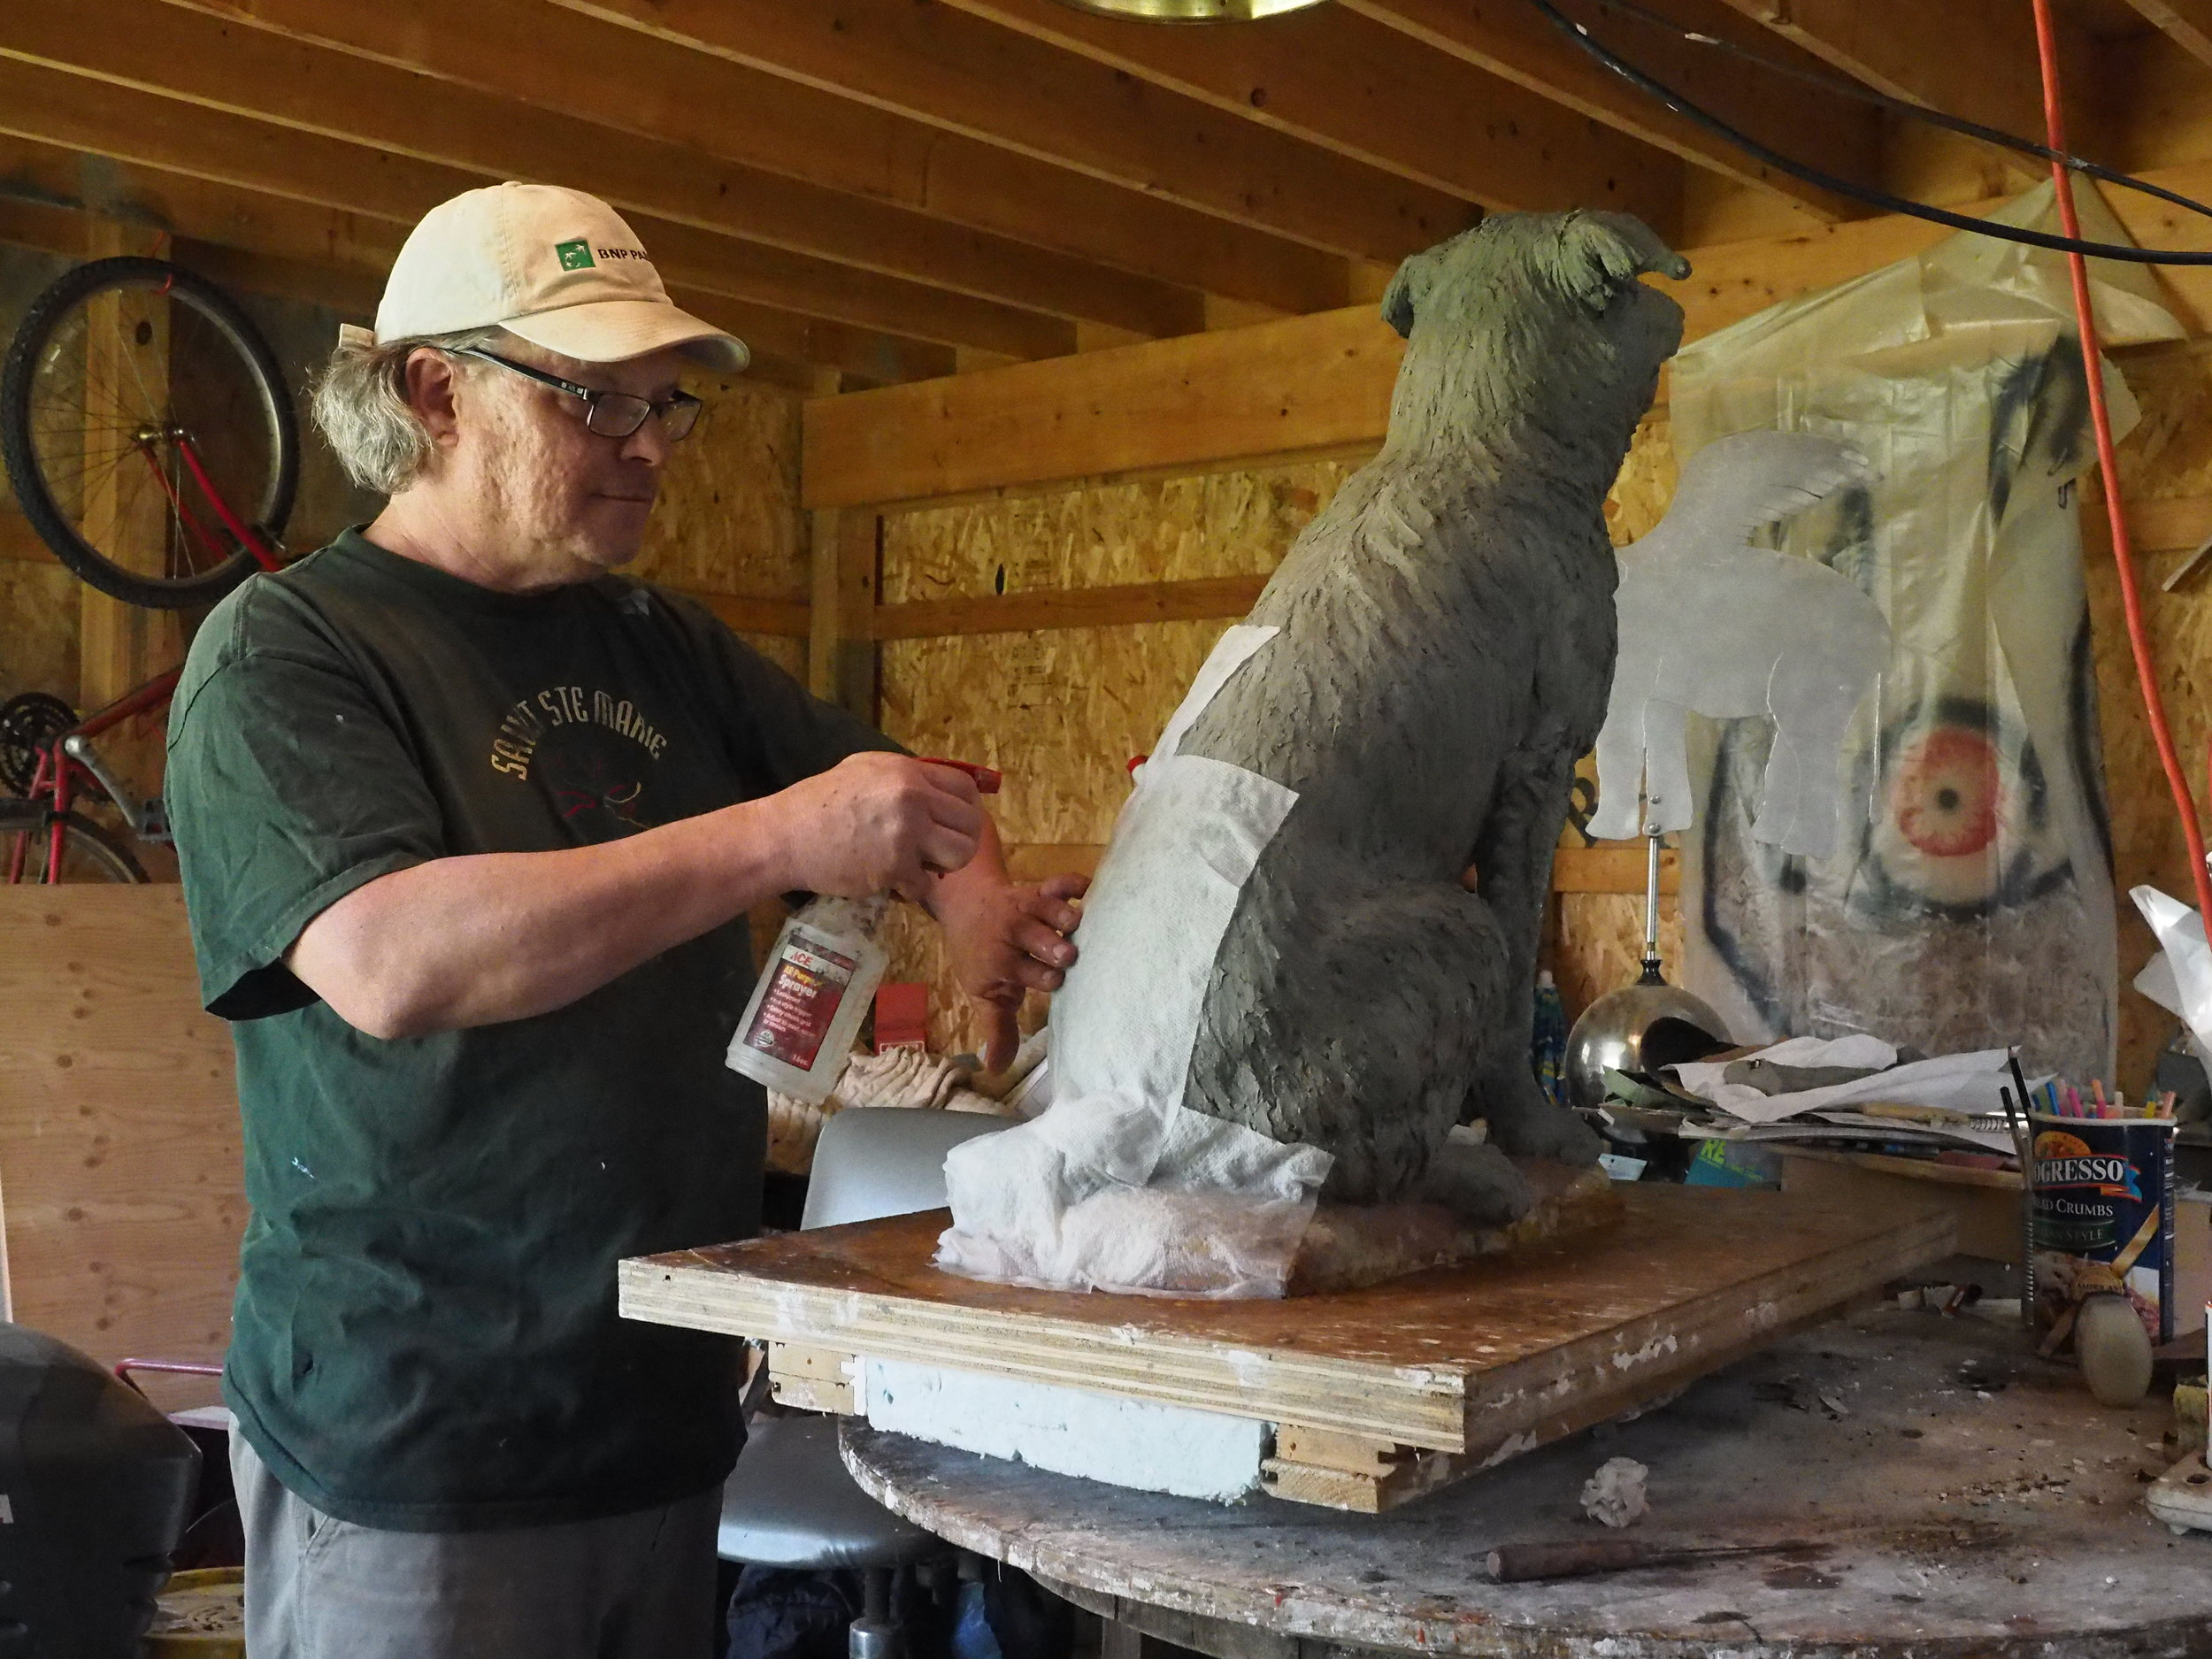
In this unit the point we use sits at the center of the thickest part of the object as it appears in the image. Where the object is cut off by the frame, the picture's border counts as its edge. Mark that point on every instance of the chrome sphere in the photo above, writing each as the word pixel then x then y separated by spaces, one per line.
pixel 1609 1036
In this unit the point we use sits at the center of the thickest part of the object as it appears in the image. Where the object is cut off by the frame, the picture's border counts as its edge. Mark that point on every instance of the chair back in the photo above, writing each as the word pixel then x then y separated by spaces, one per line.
pixel 874 1161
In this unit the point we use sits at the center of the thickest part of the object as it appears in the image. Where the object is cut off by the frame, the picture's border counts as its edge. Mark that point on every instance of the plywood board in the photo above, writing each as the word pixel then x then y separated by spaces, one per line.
pixel 1486 1359
pixel 728 519
pixel 121 1187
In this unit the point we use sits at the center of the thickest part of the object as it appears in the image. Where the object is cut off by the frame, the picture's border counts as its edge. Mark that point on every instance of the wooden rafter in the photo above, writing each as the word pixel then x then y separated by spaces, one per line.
pixel 1320 384
pixel 2188 21
pixel 971 77
pixel 1975 58
pixel 358 246
pixel 1511 40
pixel 1348 84
pixel 107 119
pixel 634 83
pixel 1019 294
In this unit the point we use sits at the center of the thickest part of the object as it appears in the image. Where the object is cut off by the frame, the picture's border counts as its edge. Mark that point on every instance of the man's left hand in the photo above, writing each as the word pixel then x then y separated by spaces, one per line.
pixel 1007 939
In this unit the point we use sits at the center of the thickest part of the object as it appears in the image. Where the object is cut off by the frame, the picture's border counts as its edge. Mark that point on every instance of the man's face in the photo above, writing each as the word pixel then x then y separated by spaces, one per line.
pixel 560 503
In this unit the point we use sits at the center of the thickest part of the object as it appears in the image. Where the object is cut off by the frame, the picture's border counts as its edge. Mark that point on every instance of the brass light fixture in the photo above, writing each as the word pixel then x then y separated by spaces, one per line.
pixel 1191 10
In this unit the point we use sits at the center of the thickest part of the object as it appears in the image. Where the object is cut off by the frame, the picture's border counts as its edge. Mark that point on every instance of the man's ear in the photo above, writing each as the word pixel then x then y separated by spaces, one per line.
pixel 430 378
pixel 1601 254
pixel 1406 287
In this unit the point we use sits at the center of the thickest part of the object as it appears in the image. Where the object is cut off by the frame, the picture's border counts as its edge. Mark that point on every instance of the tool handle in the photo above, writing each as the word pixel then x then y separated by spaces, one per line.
pixel 1521 1564
pixel 987 779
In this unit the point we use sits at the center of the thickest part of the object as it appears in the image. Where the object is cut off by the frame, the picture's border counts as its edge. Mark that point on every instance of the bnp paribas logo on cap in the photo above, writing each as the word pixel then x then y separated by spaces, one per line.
pixel 574 255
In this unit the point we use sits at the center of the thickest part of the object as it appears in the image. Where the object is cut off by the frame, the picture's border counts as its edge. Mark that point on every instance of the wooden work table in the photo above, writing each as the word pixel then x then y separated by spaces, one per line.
pixel 1973 1501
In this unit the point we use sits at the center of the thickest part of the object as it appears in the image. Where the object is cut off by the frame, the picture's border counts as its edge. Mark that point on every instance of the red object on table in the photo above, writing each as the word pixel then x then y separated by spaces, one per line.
pixel 901 1016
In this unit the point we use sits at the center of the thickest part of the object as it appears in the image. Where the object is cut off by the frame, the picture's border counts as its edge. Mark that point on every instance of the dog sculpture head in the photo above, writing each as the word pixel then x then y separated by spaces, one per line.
pixel 1534 325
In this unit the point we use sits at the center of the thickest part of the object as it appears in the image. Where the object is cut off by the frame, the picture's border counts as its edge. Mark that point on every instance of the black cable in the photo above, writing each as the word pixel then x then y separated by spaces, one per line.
pixel 1882 199
pixel 1845 88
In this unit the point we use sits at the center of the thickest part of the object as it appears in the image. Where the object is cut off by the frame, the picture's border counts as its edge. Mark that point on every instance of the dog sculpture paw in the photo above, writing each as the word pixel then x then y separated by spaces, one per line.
pixel 1477 1184
pixel 1526 1124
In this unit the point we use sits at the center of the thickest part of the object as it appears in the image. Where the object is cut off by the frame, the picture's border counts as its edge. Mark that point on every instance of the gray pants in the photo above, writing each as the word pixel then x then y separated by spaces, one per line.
pixel 631 1587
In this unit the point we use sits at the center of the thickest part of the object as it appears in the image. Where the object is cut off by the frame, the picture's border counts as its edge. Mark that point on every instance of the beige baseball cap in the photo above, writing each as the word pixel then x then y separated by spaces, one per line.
pixel 556 267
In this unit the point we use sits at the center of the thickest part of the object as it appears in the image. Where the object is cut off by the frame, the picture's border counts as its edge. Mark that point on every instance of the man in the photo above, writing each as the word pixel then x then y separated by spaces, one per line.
pixel 468 828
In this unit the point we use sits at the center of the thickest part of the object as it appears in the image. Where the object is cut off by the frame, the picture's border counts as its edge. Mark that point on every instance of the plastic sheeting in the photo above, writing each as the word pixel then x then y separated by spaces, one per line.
pixel 1970 901
pixel 1710 625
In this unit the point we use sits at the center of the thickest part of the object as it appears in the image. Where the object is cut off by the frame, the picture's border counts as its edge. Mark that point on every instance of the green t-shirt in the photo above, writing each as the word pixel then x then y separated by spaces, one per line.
pixel 425 1332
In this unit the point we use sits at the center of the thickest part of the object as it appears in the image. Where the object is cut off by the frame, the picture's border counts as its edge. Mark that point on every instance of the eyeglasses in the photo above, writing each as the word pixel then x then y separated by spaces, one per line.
pixel 610 414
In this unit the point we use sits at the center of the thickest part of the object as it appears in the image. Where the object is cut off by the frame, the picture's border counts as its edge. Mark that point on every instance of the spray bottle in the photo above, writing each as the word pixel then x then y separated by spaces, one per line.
pixel 798 1034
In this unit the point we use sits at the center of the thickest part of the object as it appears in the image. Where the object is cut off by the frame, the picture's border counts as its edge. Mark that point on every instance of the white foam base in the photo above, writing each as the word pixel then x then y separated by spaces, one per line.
pixel 1070 1431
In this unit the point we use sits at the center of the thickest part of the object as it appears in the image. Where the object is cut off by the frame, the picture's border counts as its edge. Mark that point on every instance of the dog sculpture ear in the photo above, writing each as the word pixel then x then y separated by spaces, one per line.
pixel 1407 288
pixel 1599 254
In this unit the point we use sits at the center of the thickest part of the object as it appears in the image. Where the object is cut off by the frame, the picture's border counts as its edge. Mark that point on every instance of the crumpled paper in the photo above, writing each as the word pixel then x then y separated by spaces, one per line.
pixel 1614 1497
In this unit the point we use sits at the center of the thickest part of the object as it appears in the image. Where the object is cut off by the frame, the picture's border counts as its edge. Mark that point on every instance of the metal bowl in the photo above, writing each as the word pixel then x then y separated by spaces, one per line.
pixel 1609 1036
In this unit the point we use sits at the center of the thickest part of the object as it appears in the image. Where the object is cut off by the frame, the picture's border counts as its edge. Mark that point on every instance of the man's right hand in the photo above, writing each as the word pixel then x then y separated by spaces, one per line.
pixel 879 823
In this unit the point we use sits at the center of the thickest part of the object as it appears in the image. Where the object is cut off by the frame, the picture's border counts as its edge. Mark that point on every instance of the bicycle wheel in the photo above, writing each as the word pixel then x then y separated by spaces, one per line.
pixel 116 371
pixel 89 852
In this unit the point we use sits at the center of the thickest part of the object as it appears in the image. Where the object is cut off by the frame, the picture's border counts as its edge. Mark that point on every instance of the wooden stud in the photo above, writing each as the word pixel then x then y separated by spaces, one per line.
pixel 123 512
pixel 840 651
pixel 1342 81
pixel 967 76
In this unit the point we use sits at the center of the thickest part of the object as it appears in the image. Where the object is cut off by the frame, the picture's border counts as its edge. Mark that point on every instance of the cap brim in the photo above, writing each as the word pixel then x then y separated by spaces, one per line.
pixel 615 331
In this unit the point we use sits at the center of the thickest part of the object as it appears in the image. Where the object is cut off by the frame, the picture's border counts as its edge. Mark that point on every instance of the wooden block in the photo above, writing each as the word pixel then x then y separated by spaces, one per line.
pixel 1354 1453
pixel 1369 1491
pixel 813 1379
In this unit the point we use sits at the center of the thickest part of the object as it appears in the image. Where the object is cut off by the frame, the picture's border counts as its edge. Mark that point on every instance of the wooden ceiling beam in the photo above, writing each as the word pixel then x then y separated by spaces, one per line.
pixel 2189 22
pixel 1330 77
pixel 301 234
pixel 1030 293
pixel 107 118
pixel 634 83
pixel 1511 40
pixel 1975 58
pixel 971 77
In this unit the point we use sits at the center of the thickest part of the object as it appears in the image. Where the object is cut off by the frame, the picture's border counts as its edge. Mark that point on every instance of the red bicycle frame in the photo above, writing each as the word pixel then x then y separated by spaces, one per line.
pixel 60 776
pixel 248 537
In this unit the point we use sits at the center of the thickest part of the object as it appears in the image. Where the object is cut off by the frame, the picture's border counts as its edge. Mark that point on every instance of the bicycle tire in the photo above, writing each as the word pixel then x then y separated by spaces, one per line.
pixel 33 491
pixel 100 850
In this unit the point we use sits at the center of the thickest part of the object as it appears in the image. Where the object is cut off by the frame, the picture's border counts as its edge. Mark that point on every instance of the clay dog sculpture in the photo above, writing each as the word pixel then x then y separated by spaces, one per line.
pixel 1444 640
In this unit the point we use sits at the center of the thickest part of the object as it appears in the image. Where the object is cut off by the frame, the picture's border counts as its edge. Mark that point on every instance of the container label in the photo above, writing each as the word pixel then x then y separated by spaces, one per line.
pixel 806 983
pixel 2102 1219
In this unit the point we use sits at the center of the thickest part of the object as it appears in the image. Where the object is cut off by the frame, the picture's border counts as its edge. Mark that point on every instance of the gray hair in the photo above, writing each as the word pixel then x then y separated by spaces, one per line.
pixel 360 402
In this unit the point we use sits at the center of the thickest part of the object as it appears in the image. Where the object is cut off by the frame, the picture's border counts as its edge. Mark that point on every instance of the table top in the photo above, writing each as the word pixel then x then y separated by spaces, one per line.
pixel 1969 1498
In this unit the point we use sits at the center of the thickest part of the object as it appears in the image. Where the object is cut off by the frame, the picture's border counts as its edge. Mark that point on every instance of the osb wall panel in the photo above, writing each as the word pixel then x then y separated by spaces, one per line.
pixel 1223 524
pixel 728 519
pixel 2168 457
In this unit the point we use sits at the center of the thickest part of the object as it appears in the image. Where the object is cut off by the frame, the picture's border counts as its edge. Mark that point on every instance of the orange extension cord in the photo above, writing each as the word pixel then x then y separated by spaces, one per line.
pixel 2123 546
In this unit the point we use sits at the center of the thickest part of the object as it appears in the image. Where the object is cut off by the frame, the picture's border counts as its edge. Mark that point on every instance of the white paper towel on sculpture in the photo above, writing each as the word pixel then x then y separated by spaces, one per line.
pixel 1710 625
pixel 1969 904
pixel 1118 1186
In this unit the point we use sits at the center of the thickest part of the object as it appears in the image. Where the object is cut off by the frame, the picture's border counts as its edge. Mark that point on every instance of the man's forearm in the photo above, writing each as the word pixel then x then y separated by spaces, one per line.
pixel 473 939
